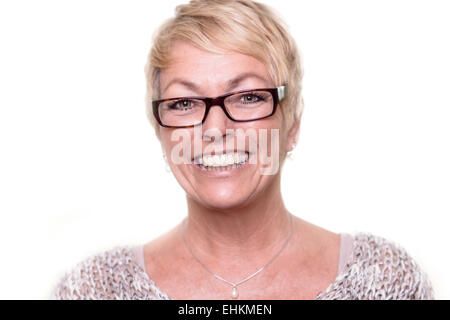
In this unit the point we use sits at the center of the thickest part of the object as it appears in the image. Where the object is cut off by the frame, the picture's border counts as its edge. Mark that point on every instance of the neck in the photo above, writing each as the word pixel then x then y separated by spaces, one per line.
pixel 254 229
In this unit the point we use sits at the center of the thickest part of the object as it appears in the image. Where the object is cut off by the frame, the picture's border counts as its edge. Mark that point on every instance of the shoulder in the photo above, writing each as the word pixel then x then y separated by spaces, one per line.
pixel 111 274
pixel 381 269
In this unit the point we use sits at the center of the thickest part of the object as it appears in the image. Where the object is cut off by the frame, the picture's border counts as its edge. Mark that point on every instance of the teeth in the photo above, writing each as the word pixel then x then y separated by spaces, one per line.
pixel 224 160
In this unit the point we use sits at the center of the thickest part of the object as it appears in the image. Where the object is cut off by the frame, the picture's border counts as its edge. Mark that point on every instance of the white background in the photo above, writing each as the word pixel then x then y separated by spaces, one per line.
pixel 81 170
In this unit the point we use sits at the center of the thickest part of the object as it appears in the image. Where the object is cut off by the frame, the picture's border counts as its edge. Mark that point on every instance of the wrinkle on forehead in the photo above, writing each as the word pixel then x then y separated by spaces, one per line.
pixel 203 71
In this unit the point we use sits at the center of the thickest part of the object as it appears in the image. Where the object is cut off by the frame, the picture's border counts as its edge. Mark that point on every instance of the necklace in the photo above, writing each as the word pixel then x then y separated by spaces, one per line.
pixel 234 291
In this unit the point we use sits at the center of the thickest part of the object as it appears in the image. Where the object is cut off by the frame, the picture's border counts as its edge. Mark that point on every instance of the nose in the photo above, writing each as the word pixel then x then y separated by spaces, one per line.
pixel 216 119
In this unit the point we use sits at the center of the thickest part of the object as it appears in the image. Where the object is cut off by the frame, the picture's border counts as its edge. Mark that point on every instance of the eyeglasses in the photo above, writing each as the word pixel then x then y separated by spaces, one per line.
pixel 248 105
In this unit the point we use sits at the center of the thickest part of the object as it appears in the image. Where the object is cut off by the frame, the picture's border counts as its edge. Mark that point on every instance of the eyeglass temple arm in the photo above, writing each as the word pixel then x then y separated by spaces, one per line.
pixel 281 90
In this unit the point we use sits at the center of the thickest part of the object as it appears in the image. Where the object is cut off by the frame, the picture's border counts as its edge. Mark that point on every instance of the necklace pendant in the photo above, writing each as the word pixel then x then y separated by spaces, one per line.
pixel 234 293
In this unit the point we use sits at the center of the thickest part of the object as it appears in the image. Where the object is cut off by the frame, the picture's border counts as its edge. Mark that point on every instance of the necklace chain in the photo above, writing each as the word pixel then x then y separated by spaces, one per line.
pixel 234 285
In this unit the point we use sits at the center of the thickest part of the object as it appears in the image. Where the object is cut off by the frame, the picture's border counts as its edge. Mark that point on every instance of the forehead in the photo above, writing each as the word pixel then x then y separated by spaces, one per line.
pixel 211 71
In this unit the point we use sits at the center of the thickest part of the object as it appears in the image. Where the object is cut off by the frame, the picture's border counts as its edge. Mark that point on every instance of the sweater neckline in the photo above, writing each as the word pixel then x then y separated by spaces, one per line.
pixel 345 253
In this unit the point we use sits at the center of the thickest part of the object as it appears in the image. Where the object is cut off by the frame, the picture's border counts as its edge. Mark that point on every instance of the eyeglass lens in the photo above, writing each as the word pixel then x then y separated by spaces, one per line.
pixel 241 106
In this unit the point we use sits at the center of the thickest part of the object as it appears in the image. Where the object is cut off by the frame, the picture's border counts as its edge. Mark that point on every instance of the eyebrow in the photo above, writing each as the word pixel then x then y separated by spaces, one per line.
pixel 231 84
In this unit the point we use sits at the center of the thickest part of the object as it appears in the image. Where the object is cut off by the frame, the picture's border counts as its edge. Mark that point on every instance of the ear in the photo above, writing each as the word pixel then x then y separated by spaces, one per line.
pixel 294 131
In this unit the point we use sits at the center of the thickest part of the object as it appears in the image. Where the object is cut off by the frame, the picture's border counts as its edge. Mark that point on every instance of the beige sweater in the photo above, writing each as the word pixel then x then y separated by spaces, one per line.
pixel 370 268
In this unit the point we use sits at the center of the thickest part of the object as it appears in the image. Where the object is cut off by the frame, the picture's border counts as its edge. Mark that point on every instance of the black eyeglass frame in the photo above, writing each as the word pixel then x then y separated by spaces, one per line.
pixel 278 94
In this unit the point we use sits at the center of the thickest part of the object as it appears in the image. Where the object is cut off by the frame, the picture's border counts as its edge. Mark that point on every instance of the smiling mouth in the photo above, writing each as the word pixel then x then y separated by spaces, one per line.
pixel 227 161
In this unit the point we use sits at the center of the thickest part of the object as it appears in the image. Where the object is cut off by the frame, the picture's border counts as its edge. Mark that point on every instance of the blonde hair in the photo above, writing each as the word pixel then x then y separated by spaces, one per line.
pixel 242 26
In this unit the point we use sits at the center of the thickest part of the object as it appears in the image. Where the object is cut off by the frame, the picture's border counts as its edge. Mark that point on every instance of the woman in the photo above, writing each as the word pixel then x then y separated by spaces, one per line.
pixel 224 81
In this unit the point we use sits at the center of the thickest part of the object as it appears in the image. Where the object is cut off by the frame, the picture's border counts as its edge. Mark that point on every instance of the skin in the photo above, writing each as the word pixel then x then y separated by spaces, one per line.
pixel 237 222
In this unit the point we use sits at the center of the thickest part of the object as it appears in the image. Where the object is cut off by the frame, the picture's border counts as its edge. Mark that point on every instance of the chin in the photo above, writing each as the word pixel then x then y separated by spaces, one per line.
pixel 224 200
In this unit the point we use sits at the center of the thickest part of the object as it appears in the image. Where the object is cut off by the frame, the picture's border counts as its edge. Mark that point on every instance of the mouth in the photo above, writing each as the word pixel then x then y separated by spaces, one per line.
pixel 222 162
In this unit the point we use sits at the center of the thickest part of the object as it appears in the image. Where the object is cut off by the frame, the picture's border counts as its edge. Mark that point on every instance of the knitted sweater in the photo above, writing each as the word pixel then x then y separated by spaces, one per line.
pixel 370 268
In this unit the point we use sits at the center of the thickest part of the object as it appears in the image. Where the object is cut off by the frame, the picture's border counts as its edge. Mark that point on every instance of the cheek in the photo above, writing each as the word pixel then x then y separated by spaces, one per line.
pixel 177 144
pixel 274 128
pixel 165 140
pixel 169 140
pixel 281 125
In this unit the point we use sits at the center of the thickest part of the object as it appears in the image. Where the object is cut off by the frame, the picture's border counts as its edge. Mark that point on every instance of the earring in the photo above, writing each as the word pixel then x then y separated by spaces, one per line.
pixel 290 154
pixel 167 168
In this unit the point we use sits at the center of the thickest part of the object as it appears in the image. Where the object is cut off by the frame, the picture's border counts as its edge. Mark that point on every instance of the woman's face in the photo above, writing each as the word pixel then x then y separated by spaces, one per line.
pixel 194 72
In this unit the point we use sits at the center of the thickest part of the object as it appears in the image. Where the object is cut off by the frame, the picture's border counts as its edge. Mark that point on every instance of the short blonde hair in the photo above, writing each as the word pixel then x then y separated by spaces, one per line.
pixel 242 26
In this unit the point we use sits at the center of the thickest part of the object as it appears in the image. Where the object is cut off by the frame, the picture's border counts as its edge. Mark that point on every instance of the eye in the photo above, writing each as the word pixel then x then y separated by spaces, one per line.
pixel 181 105
pixel 250 98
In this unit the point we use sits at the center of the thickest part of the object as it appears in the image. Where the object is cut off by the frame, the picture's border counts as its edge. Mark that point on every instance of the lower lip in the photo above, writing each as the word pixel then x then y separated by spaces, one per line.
pixel 222 173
